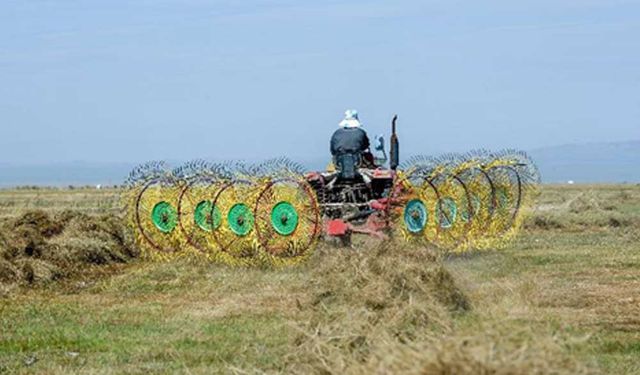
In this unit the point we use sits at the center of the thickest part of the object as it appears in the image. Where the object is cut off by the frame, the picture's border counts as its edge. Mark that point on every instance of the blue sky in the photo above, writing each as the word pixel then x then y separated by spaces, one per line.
pixel 130 81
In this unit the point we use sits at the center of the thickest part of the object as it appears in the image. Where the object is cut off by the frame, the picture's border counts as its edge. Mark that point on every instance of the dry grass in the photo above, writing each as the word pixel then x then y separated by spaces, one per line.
pixel 15 202
pixel 395 309
pixel 578 276
pixel 487 352
pixel 36 248
pixel 576 208
pixel 363 302
pixel 561 300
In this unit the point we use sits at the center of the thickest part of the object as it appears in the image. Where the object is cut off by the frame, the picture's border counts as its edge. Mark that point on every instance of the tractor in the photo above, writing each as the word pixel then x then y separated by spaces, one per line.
pixel 276 212
pixel 355 196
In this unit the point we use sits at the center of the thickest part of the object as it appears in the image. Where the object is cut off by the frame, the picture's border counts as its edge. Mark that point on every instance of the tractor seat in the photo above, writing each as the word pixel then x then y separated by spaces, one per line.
pixel 347 167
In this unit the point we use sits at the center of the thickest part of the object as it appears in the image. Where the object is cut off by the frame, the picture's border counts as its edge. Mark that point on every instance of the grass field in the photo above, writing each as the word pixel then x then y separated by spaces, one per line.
pixel 91 201
pixel 564 298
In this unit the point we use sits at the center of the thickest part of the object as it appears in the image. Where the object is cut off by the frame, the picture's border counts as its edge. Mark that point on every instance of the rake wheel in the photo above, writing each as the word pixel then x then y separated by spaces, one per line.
pixel 198 217
pixel 236 237
pixel 288 222
pixel 156 216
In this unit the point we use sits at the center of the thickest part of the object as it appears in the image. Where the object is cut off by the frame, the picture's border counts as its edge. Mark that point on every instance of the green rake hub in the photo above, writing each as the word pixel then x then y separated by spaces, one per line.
pixel 476 204
pixel 415 216
pixel 284 218
pixel 164 217
pixel 206 216
pixel 240 219
pixel 502 198
pixel 446 212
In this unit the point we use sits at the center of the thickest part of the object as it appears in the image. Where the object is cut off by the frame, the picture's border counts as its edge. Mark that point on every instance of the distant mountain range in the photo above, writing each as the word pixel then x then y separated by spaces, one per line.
pixel 582 163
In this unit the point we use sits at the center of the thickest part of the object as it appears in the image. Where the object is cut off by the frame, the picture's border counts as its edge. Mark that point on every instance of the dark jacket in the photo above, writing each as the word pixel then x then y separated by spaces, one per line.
pixel 349 141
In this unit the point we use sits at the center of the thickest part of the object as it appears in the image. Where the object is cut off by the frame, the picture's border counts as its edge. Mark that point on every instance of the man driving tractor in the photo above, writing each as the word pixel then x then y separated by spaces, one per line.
pixel 350 144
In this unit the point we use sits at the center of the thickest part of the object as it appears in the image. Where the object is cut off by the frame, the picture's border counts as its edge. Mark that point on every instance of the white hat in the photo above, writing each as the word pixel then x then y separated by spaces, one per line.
pixel 350 119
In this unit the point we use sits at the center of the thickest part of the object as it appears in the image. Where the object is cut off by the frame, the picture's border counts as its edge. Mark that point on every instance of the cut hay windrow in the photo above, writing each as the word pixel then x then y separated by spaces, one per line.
pixel 273 213
pixel 36 247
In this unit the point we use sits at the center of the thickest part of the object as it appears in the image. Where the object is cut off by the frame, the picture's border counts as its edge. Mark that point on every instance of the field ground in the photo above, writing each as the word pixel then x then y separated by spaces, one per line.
pixel 91 201
pixel 563 298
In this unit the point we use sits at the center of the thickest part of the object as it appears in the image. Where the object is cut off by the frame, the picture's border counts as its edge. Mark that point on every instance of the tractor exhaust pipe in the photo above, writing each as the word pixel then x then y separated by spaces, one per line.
pixel 394 152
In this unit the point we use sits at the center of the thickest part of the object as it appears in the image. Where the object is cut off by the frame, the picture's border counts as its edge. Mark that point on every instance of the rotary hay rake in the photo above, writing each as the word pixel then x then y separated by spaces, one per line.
pixel 464 202
pixel 274 213
pixel 231 213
